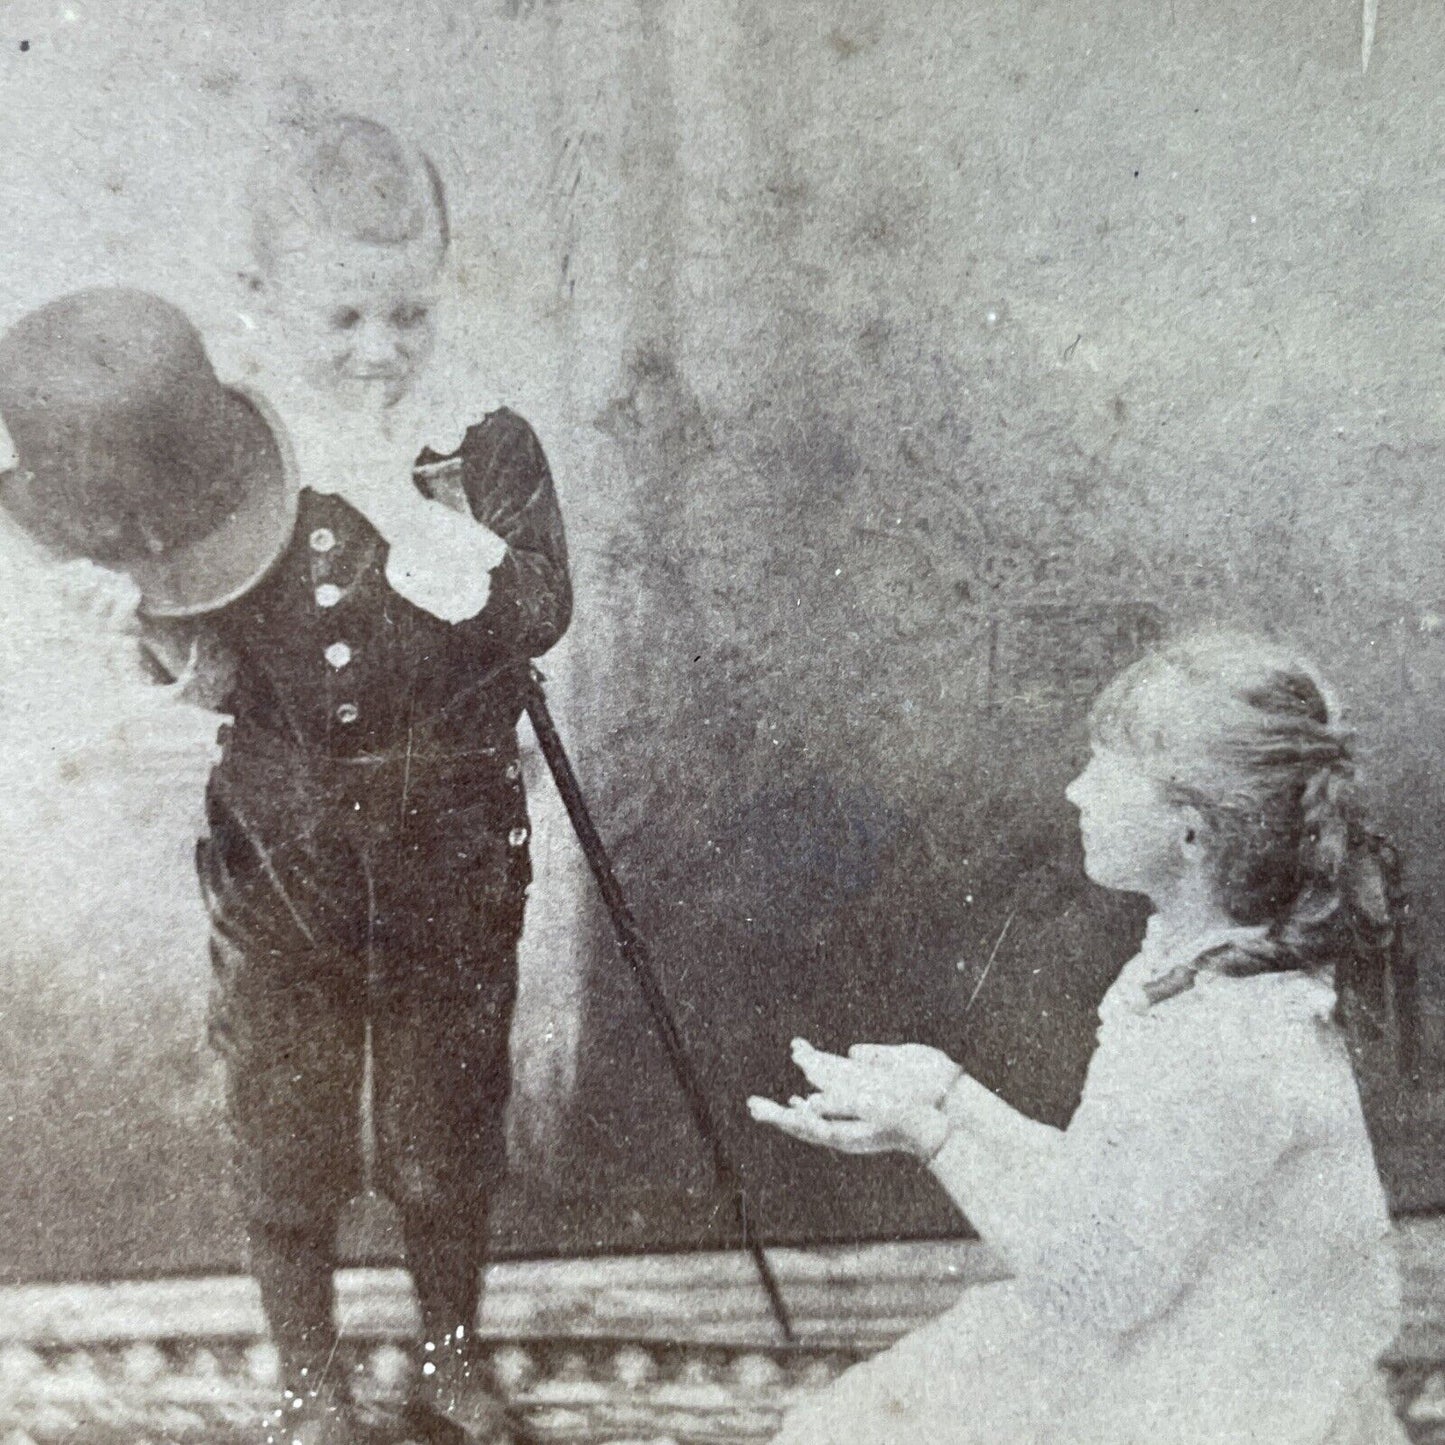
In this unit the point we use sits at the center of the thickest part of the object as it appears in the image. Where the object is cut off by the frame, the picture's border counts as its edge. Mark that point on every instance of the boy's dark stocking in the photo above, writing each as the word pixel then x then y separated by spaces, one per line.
pixel 446 1250
pixel 293 1269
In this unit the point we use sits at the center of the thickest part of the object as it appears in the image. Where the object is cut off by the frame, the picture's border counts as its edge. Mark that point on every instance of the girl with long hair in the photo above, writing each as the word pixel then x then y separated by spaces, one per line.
pixel 1202 1255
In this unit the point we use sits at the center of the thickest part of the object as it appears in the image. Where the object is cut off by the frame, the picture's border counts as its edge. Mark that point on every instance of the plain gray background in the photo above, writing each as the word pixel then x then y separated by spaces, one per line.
pixel 904 368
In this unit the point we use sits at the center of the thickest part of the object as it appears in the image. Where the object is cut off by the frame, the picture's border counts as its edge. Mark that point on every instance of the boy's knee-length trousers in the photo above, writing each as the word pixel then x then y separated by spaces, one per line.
pixel 385 909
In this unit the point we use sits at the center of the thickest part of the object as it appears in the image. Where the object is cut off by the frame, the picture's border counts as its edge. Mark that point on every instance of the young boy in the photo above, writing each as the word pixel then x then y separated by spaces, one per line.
pixel 367 860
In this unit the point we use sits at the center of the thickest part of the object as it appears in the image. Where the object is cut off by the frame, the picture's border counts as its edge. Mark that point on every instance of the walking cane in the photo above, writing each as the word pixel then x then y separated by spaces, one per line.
pixel 633 949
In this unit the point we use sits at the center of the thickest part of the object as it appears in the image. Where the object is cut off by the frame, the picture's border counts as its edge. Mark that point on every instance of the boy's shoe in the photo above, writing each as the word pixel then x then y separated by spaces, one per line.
pixel 323 1418
pixel 455 1406
pixel 426 1425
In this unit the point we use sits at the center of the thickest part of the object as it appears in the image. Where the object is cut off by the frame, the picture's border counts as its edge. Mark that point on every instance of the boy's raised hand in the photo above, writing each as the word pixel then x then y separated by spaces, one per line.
pixel 104 598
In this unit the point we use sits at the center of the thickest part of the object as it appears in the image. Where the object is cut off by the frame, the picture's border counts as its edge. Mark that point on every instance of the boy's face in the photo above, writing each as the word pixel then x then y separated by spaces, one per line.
pixel 357 320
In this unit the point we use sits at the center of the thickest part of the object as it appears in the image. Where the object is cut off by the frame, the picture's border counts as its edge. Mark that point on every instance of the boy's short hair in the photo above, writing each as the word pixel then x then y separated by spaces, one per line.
pixel 345 176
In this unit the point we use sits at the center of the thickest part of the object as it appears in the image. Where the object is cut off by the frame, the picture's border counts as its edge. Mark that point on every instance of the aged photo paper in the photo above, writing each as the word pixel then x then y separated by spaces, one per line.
pixel 563 563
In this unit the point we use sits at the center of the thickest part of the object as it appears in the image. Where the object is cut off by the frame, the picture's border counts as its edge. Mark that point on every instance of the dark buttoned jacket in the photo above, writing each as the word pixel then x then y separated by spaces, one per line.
pixel 336 678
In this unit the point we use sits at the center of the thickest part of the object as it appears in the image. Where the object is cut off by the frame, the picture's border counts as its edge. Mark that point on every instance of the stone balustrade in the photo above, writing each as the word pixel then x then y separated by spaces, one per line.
pixel 651 1349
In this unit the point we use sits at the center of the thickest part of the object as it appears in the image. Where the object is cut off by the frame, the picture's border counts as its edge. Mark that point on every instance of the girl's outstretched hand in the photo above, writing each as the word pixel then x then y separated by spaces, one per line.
pixel 929 1072
pixel 861 1107
pixel 803 1120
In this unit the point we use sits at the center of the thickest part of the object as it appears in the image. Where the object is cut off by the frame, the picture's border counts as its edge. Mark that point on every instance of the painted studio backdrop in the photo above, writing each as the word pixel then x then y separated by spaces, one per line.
pixel 904 370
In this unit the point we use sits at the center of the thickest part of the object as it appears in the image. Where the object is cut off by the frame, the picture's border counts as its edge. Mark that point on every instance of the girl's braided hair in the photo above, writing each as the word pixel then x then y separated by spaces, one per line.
pixel 1248 735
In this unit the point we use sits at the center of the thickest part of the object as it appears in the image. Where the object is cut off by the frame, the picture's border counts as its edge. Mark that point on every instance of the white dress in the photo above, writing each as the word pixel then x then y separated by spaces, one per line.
pixel 1201 1258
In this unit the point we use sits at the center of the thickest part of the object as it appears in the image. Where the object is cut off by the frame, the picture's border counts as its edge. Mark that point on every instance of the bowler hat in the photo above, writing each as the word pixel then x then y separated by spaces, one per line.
pixel 133 454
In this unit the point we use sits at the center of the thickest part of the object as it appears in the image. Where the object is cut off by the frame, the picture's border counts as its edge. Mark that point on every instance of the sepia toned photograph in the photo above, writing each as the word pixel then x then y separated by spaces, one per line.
pixel 722 722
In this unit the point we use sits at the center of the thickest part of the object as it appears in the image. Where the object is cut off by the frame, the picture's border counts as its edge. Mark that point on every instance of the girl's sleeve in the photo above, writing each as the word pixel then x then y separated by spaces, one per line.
pixel 1163 1156
pixel 1013 1136
pixel 509 486
pixel 995 1161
